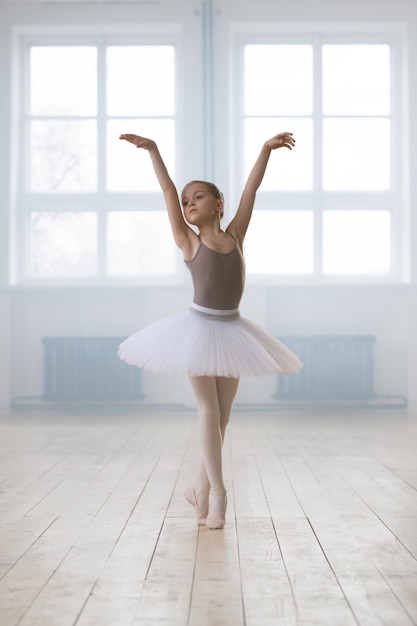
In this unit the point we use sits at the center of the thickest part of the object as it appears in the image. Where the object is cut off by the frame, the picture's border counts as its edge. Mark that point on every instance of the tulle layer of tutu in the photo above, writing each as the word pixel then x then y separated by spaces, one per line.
pixel 200 345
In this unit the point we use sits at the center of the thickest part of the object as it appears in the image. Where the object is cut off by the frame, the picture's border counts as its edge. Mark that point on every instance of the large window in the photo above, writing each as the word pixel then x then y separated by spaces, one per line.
pixel 329 209
pixel 90 208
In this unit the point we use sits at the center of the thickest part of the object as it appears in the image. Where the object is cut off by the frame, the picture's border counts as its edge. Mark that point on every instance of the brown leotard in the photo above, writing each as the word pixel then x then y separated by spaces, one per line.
pixel 218 278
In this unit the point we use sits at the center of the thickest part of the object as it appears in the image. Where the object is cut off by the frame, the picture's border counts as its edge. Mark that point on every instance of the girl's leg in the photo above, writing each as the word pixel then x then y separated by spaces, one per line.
pixel 205 391
pixel 214 402
pixel 226 392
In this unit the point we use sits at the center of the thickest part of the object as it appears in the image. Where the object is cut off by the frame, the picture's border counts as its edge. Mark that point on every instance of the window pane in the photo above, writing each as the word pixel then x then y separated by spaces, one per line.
pixel 356 242
pixel 63 244
pixel 140 243
pixel 63 80
pixel 280 242
pixel 356 79
pixel 130 169
pixel 141 80
pixel 286 170
pixel 278 79
pixel 63 156
pixel 356 154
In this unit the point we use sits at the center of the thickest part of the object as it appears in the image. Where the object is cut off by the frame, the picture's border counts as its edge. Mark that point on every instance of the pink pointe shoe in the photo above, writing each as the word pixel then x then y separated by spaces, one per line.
pixel 217 519
pixel 191 498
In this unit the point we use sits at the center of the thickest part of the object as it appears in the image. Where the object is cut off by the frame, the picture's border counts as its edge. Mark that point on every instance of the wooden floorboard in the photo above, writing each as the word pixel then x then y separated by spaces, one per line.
pixel 321 525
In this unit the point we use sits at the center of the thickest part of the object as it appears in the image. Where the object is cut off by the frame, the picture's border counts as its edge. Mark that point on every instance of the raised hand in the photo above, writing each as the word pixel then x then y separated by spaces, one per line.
pixel 139 142
pixel 282 140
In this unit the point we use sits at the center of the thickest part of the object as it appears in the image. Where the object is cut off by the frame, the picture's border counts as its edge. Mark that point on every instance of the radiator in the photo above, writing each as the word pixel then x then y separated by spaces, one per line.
pixel 87 369
pixel 338 367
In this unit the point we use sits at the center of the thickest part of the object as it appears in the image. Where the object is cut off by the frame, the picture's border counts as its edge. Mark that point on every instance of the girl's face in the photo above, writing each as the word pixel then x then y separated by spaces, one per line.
pixel 200 206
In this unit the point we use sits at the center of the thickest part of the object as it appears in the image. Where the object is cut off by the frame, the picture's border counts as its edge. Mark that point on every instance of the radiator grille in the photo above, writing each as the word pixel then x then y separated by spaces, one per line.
pixel 338 367
pixel 87 369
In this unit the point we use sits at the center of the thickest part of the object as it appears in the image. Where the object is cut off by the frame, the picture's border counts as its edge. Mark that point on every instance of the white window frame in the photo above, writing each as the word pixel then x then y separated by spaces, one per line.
pixel 100 201
pixel 394 200
pixel 226 149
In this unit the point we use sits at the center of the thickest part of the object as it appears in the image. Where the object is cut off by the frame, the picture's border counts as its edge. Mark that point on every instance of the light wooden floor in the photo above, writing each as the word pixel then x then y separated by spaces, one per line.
pixel 322 521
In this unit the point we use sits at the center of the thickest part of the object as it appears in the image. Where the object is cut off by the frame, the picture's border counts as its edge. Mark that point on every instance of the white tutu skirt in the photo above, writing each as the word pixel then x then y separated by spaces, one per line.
pixel 208 342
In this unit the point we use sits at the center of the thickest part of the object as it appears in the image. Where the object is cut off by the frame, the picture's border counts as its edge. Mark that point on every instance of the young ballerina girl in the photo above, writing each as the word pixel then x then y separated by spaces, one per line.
pixel 210 342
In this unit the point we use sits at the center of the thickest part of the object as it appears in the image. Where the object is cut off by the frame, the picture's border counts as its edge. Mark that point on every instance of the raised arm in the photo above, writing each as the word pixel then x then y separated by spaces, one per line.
pixel 180 229
pixel 239 224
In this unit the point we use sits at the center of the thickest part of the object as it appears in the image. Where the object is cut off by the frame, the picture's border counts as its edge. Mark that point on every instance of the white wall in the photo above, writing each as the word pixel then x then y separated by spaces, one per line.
pixel 26 315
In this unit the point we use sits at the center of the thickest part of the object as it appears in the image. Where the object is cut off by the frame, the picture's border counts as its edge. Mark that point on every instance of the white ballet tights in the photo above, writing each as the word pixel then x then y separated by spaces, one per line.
pixel 214 397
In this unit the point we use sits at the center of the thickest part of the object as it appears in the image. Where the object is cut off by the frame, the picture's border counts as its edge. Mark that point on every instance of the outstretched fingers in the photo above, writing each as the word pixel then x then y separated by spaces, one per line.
pixel 282 140
pixel 136 140
pixel 130 138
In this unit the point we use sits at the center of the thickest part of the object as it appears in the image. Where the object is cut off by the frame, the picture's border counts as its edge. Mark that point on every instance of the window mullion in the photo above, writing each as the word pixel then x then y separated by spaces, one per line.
pixel 23 168
pixel 102 205
pixel 318 158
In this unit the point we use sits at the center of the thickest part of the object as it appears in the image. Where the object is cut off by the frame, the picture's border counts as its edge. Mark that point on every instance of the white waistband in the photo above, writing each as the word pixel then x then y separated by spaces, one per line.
pixel 205 309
